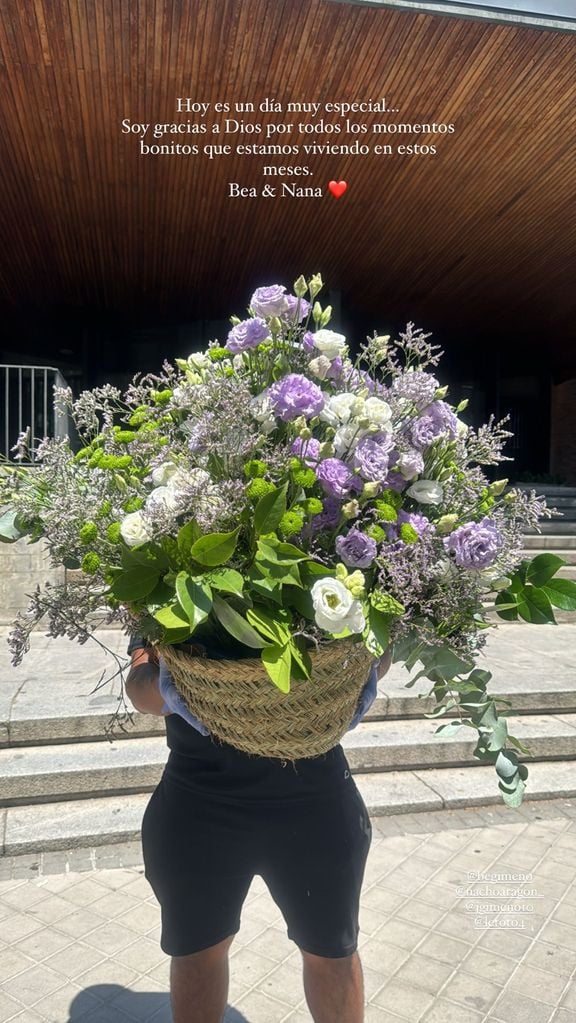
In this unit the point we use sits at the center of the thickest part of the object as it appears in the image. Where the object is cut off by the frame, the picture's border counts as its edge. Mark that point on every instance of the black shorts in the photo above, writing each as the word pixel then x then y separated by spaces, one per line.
pixel 200 855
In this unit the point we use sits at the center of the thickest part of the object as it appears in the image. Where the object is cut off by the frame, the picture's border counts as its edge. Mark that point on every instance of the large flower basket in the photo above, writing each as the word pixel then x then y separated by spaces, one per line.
pixel 236 702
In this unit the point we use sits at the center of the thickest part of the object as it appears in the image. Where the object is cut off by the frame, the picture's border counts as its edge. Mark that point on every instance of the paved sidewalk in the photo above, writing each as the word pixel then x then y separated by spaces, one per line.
pixel 79 931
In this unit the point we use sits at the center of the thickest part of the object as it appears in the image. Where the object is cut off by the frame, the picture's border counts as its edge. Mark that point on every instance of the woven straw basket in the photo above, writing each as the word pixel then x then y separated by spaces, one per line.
pixel 241 706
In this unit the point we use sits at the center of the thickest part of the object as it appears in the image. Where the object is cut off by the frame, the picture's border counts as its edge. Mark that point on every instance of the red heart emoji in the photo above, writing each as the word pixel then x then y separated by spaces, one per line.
pixel 337 188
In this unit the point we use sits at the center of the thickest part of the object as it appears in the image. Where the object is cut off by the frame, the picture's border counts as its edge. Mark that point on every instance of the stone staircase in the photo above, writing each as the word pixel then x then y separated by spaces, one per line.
pixel 63 784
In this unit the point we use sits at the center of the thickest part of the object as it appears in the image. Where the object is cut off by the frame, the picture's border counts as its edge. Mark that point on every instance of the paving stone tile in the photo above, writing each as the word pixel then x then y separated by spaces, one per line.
pixel 564 1016
pixel 534 983
pixel 142 917
pixel 142 1000
pixel 505 942
pixel 161 973
pixel 28 1016
pixel 8 1007
pixel 80 923
pixel 402 933
pixel 271 943
pixel 428 974
pixel 115 904
pixel 447 950
pixel 17 926
pixel 24 896
pixel 551 958
pixel 568 999
pixel 472 992
pixel 444 1011
pixel 110 937
pixel 559 934
pixel 489 965
pixel 105 978
pixel 383 899
pixel 382 957
pixel 284 983
pixel 458 925
pixel 13 962
pixel 74 960
pixel 33 984
pixel 259 1008
pixel 374 1014
pixel 370 920
pixel 142 956
pixel 373 981
pixel 51 909
pixel 514 1007
pixel 403 998
pixel 42 943
pixel 67 1002
pixel 84 893
pixel 249 966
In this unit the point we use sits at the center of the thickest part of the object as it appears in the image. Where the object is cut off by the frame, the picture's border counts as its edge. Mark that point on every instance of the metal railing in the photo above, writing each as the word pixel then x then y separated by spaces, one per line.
pixel 26 399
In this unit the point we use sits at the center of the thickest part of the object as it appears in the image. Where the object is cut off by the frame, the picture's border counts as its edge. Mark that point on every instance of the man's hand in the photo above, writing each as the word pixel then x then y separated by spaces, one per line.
pixel 142 683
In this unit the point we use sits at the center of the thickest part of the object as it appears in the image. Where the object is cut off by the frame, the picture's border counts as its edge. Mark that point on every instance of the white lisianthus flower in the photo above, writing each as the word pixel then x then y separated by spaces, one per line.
pixel 346 438
pixel 162 497
pixel 185 477
pixel 134 530
pixel 426 492
pixel 340 408
pixel 320 367
pixel 335 608
pixel 164 472
pixel 461 428
pixel 199 360
pixel 330 344
pixel 378 412
pixel 261 409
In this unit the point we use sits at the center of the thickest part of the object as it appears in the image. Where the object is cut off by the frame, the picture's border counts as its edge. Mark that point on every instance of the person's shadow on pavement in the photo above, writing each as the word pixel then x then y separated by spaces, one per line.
pixel 112 1003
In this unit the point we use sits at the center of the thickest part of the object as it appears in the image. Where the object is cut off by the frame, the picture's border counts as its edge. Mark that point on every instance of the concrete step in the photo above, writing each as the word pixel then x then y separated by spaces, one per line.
pixel 547 490
pixel 88 770
pixel 568 554
pixel 556 541
pixel 110 819
pixel 553 527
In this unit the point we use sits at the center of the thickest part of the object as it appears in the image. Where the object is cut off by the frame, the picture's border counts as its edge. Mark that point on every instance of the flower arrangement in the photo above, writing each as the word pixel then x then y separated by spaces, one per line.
pixel 273 492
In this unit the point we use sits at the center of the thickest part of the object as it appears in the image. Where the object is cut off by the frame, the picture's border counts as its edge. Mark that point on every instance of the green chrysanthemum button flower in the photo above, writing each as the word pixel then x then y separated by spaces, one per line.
pixel 88 532
pixel 113 532
pixel 255 468
pixel 291 523
pixel 407 533
pixel 375 532
pixel 313 506
pixel 90 563
pixel 258 488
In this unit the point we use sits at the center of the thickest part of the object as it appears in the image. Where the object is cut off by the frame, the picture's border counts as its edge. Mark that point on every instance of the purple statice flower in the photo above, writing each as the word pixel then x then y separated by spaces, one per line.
pixel 294 395
pixel 356 549
pixel 291 309
pixel 415 385
pixel 269 301
pixel 437 420
pixel 475 544
pixel 247 334
pixel 356 379
pixel 372 456
pixel 308 342
pixel 336 478
pixel 308 450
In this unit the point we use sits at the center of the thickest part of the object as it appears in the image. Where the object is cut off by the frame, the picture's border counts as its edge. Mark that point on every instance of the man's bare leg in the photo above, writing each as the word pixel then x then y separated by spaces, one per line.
pixel 199 984
pixel 334 988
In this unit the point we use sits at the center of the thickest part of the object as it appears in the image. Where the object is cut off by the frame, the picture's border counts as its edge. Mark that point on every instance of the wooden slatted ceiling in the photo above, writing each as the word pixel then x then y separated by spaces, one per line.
pixel 483 233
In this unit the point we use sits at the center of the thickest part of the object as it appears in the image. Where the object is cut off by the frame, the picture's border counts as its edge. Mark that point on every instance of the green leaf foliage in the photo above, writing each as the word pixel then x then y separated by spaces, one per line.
pixel 226 580
pixel 194 597
pixel 561 593
pixel 236 624
pixel 174 623
pixel 541 569
pixel 9 531
pixel 135 583
pixel 271 628
pixel 377 631
pixel 278 663
pixel 506 606
pixel 269 510
pixel 215 548
pixel 534 606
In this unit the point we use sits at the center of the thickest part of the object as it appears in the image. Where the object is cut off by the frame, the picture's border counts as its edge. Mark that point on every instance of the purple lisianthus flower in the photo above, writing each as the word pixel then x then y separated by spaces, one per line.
pixel 336 478
pixel 294 395
pixel 395 481
pixel 475 544
pixel 356 549
pixel 437 420
pixel 291 309
pixel 420 523
pixel 328 518
pixel 247 334
pixel 372 456
pixel 308 450
pixel 336 367
pixel 269 301
pixel 308 342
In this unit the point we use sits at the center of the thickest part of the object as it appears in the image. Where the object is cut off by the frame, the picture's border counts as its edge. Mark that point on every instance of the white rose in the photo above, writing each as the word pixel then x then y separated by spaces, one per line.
pixel 334 607
pixel 133 529
pixel 164 498
pixel 184 477
pixel 426 492
pixel 330 343
pixel 378 412
pixel 320 367
pixel 163 473
pixel 340 408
